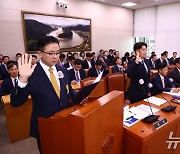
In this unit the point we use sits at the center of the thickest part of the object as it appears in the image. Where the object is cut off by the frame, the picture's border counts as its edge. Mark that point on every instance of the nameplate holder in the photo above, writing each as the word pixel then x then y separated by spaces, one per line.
pixel 160 123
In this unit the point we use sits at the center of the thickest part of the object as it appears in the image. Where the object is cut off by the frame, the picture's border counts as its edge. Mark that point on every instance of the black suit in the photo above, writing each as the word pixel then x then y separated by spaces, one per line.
pixel 44 98
pixel 85 64
pixel 6 87
pixel 172 60
pixel 107 61
pixel 158 61
pixel 72 74
pixel 66 65
pixel 151 64
pixel 175 75
pixel 136 72
pixel 111 58
pixel 158 86
pixel 93 72
pixel 3 73
pixel 125 59
pixel 116 69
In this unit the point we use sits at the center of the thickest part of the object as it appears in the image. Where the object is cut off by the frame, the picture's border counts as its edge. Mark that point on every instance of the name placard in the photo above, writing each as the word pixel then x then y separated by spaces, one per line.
pixel 160 123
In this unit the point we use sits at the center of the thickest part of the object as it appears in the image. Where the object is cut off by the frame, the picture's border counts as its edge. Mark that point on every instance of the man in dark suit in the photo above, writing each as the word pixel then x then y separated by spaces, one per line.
pixel 175 73
pixel 172 59
pixel 138 68
pixel 3 68
pixel 161 60
pixel 8 84
pixel 111 56
pixel 118 67
pixel 48 87
pixel 166 58
pixel 152 61
pixel 161 82
pixel 87 62
pixel 1 59
pixel 76 74
pixel 94 58
pixel 70 63
pixel 126 58
pixel 96 70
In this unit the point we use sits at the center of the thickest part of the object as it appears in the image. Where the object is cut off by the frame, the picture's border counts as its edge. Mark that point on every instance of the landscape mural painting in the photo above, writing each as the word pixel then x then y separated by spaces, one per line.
pixel 73 33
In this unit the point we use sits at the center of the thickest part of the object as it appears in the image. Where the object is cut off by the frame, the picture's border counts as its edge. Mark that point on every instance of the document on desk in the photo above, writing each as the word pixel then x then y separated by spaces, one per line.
pixel 155 100
pixel 171 93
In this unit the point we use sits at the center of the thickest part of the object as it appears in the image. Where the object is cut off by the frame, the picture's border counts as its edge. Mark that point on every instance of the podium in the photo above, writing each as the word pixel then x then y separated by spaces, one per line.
pixel 96 128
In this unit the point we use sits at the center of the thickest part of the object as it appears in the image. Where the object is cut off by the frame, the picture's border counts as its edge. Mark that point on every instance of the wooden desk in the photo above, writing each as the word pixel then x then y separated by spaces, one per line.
pixel 141 138
pixel 17 119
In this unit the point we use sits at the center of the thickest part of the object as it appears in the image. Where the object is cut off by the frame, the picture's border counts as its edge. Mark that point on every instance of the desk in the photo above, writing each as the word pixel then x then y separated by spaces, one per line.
pixel 141 138
pixel 17 119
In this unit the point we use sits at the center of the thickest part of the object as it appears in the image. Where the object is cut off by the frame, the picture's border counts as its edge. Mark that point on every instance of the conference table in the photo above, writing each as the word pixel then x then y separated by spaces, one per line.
pixel 142 138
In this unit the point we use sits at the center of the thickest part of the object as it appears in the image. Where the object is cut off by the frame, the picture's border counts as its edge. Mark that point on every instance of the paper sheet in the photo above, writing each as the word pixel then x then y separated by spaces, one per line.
pixel 155 100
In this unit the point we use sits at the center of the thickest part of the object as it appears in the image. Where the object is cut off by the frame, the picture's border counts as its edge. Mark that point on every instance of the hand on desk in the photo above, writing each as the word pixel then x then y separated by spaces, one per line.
pixel 175 90
pixel 84 101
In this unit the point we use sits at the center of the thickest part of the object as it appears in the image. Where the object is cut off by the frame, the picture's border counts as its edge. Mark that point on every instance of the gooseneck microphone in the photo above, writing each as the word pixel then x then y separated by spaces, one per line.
pixel 167 108
pixel 151 118
pixel 61 76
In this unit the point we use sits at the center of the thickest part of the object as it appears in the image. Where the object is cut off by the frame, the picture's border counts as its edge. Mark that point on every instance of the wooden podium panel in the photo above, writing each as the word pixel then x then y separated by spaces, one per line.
pixel 95 128
pixel 141 138
pixel 18 119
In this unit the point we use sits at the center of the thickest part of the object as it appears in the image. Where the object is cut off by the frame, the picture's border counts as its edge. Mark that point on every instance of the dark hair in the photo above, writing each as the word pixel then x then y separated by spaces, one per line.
pixel 42 42
pixel 75 53
pixel 161 66
pixel 139 45
pixel 5 57
pixel 62 56
pixel 163 54
pixel 80 54
pixel 116 59
pixel 177 60
pixel 127 54
pixel 77 62
pixel 34 56
pixel 88 54
pixel 99 62
pixel 10 64
pixel 93 53
pixel 71 58
pixel 174 53
pixel 18 54
pixel 153 55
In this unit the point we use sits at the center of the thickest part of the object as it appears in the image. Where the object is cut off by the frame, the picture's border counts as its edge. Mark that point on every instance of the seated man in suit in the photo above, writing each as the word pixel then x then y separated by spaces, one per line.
pixel 106 60
pixel 94 58
pixel 161 82
pixel 96 70
pixel 70 63
pixel 161 60
pixel 3 68
pixel 118 67
pixel 166 58
pixel 138 68
pixel 172 59
pixel 49 88
pixel 87 62
pixel 175 73
pixel 76 74
pixel 111 56
pixel 126 58
pixel 9 83
pixel 152 61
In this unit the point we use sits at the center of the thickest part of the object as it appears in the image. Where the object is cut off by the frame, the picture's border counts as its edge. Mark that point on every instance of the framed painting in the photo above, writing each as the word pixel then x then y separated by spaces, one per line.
pixel 73 33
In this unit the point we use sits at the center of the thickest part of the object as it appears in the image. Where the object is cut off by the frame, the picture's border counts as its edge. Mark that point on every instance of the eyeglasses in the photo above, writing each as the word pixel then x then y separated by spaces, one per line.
pixel 51 53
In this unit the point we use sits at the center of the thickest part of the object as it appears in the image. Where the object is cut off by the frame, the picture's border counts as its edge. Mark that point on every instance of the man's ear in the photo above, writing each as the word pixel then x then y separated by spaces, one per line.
pixel 39 53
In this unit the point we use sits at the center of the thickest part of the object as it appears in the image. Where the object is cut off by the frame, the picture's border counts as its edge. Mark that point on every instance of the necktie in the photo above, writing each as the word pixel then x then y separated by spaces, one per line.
pixel 144 65
pixel 54 82
pixel 15 83
pixel 163 83
pixel 77 77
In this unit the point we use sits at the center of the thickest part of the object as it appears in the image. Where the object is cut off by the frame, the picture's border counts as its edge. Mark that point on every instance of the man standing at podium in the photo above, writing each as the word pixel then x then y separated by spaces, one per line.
pixel 47 88
pixel 138 68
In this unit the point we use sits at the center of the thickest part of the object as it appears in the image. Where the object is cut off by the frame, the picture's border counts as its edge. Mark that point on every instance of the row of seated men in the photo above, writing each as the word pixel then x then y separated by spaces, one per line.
pixel 77 73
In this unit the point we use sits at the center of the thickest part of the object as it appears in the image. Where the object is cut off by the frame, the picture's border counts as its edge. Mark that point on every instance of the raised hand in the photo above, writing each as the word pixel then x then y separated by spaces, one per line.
pixel 25 68
pixel 138 58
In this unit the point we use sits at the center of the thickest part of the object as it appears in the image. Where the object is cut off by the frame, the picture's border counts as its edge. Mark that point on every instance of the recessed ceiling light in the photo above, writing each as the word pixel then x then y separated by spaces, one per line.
pixel 129 4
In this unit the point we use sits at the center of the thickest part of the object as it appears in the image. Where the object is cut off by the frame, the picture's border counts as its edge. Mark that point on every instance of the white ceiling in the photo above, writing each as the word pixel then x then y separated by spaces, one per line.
pixel 140 3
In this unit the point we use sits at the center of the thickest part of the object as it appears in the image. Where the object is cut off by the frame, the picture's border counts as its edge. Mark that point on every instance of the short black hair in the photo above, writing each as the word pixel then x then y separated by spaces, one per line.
pixel 77 62
pixel 62 56
pixel 93 53
pixel 153 55
pixel 127 54
pixel 75 53
pixel 18 54
pixel 177 60
pixel 5 57
pixel 42 42
pixel 88 54
pixel 10 64
pixel 98 62
pixel 139 45
pixel 71 58
pixel 116 59
pixel 80 54
pixel 161 66
pixel 34 56
pixel 174 53
pixel 163 54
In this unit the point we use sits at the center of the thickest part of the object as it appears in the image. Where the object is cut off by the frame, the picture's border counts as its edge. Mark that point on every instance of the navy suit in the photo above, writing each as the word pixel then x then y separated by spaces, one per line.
pixel 85 64
pixel 44 98
pixel 172 61
pixel 151 64
pixel 3 73
pixel 111 58
pixel 6 87
pixel 93 72
pixel 136 72
pixel 158 61
pixel 158 86
pixel 175 75
pixel 116 69
pixel 72 74
pixel 66 65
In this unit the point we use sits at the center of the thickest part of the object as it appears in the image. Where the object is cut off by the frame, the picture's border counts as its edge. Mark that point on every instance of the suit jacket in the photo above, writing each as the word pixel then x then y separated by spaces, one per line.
pixel 175 75
pixel 66 65
pixel 107 61
pixel 72 74
pixel 6 87
pixel 44 98
pixel 85 64
pixel 3 73
pixel 136 72
pixel 172 61
pixel 111 58
pixel 93 73
pixel 151 64
pixel 116 69
pixel 158 61
pixel 124 59
pixel 158 86
pixel 93 61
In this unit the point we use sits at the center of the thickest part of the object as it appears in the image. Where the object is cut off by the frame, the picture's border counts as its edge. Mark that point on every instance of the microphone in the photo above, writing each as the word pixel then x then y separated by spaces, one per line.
pixel 151 118
pixel 61 76
pixel 167 108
